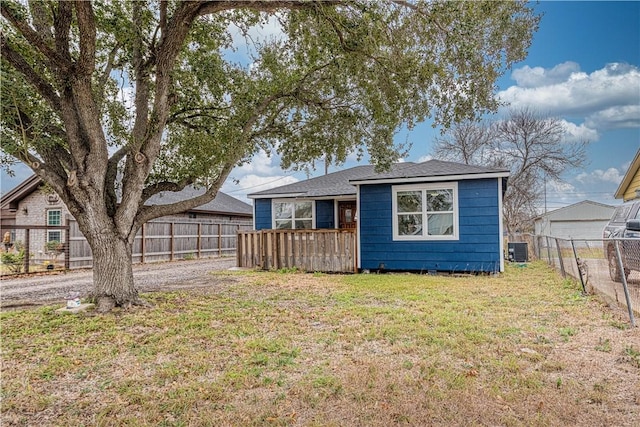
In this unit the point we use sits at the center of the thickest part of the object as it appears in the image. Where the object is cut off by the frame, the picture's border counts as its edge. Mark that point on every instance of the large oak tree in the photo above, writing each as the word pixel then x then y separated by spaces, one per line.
pixel 112 102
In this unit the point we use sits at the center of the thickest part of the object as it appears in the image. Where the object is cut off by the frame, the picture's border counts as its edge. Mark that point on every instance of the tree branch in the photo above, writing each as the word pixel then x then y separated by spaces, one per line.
pixel 18 62
pixel 35 39
pixel 87 29
pixel 147 213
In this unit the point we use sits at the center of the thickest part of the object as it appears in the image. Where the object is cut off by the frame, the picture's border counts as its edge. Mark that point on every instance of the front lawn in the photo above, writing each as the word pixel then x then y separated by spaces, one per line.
pixel 280 349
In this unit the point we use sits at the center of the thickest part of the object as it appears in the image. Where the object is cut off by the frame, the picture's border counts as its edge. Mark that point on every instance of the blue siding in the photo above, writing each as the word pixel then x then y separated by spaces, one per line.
pixel 478 247
pixel 324 214
pixel 263 214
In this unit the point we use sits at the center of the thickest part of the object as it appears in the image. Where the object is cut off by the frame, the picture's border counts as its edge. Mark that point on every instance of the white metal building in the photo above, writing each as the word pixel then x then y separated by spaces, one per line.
pixel 583 220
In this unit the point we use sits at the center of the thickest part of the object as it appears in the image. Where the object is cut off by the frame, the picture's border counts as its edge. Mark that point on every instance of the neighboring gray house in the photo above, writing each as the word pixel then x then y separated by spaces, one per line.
pixel 583 220
pixel 28 205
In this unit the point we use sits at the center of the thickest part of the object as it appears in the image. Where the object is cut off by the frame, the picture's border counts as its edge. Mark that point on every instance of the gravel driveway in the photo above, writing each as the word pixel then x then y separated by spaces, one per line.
pixel 44 288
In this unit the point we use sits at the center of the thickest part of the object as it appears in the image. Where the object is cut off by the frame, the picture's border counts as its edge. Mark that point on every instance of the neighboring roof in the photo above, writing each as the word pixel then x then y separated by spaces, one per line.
pixel 20 191
pixel 585 210
pixel 342 183
pixel 632 172
pixel 223 203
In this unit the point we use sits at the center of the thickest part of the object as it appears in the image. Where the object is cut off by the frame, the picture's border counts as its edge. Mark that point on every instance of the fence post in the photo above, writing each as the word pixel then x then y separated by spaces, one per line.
pixel 67 247
pixel 546 238
pixel 199 240
pixel 27 251
pixel 560 260
pixel 624 283
pixel 171 241
pixel 575 256
pixel 142 244
pixel 239 251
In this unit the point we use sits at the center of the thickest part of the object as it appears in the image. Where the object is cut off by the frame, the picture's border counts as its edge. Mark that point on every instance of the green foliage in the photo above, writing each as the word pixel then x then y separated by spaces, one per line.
pixel 54 246
pixel 14 260
pixel 334 80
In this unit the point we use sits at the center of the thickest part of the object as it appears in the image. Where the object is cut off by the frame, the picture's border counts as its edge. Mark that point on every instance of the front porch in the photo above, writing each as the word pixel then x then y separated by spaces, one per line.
pixel 329 251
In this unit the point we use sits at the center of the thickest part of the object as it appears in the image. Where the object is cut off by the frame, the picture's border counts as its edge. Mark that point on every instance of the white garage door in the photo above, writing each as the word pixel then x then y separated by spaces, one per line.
pixel 577 229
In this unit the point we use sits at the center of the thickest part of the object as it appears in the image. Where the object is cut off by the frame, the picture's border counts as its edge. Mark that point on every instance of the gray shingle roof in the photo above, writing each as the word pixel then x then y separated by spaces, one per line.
pixel 431 168
pixel 223 203
pixel 333 184
pixel 342 183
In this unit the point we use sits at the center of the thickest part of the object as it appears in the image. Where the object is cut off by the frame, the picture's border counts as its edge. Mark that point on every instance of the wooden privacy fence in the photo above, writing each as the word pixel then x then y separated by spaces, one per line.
pixel 167 241
pixel 308 250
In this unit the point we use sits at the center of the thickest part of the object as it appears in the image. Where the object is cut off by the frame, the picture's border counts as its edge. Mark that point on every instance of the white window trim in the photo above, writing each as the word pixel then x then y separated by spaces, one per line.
pixel 293 217
pixel 60 215
pixel 49 239
pixel 424 188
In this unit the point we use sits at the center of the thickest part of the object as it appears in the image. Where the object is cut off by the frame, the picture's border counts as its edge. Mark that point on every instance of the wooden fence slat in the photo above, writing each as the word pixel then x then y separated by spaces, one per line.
pixel 307 250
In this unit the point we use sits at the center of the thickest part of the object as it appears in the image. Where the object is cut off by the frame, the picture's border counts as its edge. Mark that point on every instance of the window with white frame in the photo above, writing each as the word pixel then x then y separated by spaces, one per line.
pixel 54 217
pixel 291 214
pixel 54 236
pixel 425 212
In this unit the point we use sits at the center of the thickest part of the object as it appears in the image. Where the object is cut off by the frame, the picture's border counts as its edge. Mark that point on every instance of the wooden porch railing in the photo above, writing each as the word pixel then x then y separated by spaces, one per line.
pixel 308 250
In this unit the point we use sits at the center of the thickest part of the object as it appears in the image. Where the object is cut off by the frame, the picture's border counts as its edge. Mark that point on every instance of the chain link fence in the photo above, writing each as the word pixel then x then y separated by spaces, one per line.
pixel 609 267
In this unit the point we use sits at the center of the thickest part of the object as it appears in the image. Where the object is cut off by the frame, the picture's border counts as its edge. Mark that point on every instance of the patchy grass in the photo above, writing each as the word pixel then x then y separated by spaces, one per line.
pixel 283 348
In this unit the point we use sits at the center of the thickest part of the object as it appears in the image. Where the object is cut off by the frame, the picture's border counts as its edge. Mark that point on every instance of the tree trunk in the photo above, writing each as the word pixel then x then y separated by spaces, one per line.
pixel 113 273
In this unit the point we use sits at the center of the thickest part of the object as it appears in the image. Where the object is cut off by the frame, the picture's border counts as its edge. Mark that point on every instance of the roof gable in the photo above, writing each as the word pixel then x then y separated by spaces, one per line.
pixel 632 176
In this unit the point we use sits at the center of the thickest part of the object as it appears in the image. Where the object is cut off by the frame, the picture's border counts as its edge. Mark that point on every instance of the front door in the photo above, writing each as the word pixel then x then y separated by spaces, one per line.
pixel 347 214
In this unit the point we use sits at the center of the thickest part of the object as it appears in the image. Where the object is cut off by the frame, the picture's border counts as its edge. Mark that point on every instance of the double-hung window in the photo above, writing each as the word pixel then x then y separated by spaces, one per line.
pixel 292 214
pixel 54 217
pixel 425 211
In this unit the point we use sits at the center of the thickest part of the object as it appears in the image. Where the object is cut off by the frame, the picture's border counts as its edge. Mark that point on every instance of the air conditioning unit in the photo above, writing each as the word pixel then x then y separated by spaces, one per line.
pixel 518 252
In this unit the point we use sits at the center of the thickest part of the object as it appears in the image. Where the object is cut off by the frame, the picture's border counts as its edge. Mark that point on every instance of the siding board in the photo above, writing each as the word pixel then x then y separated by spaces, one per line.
pixel 477 249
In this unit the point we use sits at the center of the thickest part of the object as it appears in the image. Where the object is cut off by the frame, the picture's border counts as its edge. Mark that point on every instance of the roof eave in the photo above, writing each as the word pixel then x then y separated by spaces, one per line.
pixel 437 178
pixel 624 184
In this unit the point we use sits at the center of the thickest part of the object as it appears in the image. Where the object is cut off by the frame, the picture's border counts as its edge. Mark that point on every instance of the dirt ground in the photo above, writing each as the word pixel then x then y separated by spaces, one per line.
pixel 44 288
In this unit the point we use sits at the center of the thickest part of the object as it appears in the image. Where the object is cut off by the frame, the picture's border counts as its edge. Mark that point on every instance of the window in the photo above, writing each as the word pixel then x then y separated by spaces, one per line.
pixel 425 212
pixel 54 217
pixel 54 236
pixel 293 214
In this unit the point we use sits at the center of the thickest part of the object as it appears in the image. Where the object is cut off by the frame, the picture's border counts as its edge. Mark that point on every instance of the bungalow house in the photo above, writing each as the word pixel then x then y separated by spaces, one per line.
pixel 629 188
pixel 431 216
pixel 29 204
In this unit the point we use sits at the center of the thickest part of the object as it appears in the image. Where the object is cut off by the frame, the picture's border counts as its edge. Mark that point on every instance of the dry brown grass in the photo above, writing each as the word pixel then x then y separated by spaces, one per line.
pixel 279 349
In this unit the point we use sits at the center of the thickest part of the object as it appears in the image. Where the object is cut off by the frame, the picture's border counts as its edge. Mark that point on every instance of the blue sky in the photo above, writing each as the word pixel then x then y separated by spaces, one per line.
pixel 583 67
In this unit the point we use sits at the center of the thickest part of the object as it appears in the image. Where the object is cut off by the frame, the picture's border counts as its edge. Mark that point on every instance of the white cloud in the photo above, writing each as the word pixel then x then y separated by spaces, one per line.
pixel 612 175
pixel 528 77
pixel 606 99
pixel 575 133
pixel 425 158
pixel 261 164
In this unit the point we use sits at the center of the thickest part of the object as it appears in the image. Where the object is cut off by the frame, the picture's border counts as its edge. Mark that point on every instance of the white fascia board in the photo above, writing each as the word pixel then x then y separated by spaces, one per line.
pixel 431 178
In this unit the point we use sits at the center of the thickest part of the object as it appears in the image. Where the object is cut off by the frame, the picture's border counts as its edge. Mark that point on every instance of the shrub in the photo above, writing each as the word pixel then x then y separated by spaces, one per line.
pixel 13 260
